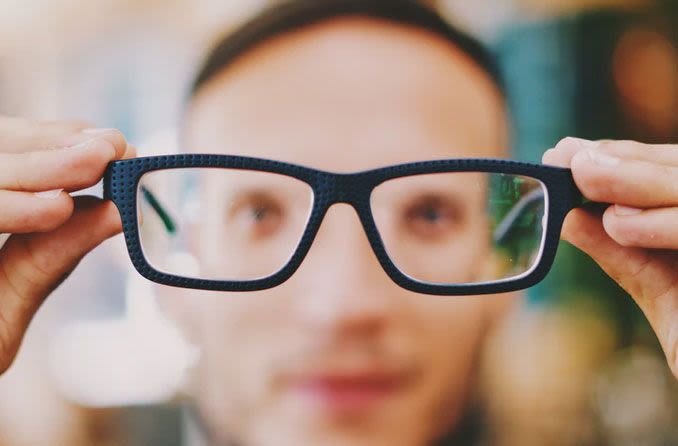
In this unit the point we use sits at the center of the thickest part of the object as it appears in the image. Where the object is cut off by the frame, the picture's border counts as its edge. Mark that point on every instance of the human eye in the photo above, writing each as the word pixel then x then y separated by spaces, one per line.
pixel 258 215
pixel 431 217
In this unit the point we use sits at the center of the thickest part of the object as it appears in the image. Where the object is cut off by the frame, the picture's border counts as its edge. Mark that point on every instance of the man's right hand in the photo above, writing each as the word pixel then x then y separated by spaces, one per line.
pixel 52 231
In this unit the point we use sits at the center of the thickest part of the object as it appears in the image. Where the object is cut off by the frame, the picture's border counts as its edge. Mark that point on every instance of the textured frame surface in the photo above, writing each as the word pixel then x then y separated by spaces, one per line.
pixel 122 178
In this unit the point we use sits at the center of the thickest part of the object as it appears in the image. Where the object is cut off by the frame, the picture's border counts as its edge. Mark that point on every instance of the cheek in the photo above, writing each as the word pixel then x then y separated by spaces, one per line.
pixel 241 338
pixel 243 331
pixel 239 334
pixel 453 324
pixel 453 331
pixel 447 334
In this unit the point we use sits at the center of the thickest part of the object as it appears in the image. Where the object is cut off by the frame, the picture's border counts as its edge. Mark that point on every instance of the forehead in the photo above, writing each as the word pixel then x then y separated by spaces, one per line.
pixel 350 94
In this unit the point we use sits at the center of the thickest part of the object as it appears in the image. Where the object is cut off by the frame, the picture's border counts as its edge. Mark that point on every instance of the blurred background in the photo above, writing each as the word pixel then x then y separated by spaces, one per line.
pixel 577 366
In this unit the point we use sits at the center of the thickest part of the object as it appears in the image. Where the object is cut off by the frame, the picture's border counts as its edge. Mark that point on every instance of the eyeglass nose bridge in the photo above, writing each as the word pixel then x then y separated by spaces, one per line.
pixel 354 190
pixel 350 188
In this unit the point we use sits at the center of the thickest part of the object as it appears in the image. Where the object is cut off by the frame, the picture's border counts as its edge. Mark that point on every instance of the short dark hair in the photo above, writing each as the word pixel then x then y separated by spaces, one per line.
pixel 292 15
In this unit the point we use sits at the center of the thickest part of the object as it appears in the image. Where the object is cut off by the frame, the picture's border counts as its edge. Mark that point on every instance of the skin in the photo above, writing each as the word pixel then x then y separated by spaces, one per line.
pixel 343 318
pixel 49 240
pixel 638 249
pixel 635 240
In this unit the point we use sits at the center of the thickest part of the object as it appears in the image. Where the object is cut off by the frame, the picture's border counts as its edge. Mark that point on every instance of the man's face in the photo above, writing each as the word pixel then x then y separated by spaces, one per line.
pixel 339 354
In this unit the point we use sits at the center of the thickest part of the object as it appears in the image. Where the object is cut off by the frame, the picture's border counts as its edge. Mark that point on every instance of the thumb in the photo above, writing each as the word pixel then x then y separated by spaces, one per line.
pixel 33 265
pixel 648 276
pixel 631 267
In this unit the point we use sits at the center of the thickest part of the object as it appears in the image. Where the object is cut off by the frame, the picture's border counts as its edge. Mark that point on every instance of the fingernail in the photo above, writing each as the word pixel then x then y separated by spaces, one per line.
pixel 554 157
pixel 603 159
pixel 579 142
pixel 50 194
pixel 97 131
pixel 3 239
pixel 624 211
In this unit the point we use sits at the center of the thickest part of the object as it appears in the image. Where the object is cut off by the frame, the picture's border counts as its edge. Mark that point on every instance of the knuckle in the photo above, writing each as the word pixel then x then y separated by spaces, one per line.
pixel 606 144
pixel 631 145
pixel 627 144
pixel 621 147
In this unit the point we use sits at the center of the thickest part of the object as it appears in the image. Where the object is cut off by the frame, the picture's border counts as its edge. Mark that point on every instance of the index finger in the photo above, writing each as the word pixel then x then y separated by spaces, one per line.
pixel 603 176
pixel 18 135
pixel 71 168
pixel 561 155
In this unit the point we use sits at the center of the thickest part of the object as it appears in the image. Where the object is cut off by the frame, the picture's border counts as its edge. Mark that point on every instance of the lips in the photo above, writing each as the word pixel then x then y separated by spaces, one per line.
pixel 348 392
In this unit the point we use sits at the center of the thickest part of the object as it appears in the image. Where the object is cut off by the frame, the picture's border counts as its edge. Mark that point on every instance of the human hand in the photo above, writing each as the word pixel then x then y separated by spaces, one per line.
pixel 636 239
pixel 39 163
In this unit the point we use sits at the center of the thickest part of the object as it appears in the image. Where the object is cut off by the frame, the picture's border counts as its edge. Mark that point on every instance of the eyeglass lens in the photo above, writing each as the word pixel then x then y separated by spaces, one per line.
pixel 240 225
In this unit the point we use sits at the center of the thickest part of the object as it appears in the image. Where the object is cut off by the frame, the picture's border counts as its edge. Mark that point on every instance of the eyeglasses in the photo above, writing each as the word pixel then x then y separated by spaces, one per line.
pixel 447 227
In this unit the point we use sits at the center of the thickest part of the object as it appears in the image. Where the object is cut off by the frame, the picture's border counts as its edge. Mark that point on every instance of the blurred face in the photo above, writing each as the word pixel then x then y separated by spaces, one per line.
pixel 339 354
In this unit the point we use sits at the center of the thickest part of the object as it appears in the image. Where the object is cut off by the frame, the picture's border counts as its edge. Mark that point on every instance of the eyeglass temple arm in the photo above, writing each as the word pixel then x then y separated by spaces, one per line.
pixel 167 220
pixel 152 200
pixel 576 200
pixel 503 228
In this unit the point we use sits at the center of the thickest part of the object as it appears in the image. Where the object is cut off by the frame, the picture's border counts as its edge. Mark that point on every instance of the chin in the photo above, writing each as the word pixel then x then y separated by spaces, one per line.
pixel 294 424
pixel 390 423
pixel 303 433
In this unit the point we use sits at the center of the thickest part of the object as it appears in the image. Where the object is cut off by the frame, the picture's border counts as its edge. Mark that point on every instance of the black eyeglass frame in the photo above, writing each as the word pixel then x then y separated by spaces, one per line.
pixel 121 182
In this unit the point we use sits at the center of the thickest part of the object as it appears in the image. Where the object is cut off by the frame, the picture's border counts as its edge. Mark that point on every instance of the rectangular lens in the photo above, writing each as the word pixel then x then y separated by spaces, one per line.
pixel 221 224
pixel 462 227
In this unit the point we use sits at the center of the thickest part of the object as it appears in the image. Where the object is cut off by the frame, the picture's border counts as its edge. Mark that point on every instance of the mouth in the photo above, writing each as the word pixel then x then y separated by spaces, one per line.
pixel 348 392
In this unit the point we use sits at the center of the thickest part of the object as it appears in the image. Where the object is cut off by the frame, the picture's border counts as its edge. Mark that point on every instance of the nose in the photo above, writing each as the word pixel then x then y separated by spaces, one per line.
pixel 340 286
